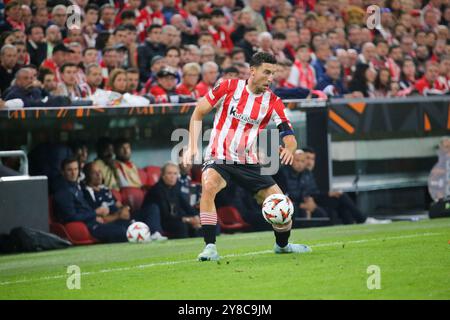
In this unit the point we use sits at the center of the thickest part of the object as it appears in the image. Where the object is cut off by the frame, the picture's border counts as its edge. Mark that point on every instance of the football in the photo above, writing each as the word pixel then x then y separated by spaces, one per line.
pixel 138 232
pixel 277 209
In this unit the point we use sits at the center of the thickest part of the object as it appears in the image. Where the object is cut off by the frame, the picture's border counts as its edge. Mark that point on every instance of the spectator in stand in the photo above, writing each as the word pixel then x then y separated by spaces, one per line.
pixel 165 88
pixel 383 83
pixel 363 80
pixel 295 182
pixel 60 55
pixel 90 56
pixel 30 95
pixel 172 59
pixel 230 73
pixel 94 81
pixel 237 55
pixel 394 61
pixel 133 84
pixel 152 46
pixel 207 53
pixel 220 34
pixel 36 46
pixel 117 81
pixel 323 53
pixel 178 218
pixel 53 37
pixel 107 15
pixel 382 50
pixel 335 202
pixel 40 16
pixel 302 73
pixel 13 17
pixel 59 18
pixel 23 58
pixel 90 31
pixel 210 73
pixel 71 205
pixel 105 161
pixel 407 77
pixel 80 151
pixel 429 84
pixel 8 66
pixel 126 171
pixel 191 75
pixel 48 80
pixel 265 40
pixel 157 63
pixel 278 45
pixel 331 83
pixel 354 37
pixel 368 54
pixel 109 210
pixel 170 36
pixel 69 86
pixel 444 68
pixel 249 43
pixel 281 78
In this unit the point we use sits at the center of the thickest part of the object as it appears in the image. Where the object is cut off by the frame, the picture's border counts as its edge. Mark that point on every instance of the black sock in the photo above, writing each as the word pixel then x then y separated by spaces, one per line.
pixel 209 233
pixel 282 238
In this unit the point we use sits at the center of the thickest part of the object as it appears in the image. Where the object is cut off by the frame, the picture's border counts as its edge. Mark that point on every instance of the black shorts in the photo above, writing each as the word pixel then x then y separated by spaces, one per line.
pixel 248 176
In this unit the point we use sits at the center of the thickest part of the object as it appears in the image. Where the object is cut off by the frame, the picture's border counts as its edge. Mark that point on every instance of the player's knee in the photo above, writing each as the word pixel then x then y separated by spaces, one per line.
pixel 211 188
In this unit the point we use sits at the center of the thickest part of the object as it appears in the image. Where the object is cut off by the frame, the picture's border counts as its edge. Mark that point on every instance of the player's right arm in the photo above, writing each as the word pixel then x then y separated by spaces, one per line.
pixel 202 108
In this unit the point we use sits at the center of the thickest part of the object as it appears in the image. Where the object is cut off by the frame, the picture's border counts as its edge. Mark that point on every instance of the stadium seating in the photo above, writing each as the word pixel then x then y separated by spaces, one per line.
pixel 230 220
pixel 75 232
pixel 153 174
pixel 117 195
pixel 143 176
pixel 133 197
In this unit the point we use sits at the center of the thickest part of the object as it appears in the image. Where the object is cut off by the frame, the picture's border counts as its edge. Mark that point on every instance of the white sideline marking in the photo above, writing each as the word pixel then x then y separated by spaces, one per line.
pixel 157 264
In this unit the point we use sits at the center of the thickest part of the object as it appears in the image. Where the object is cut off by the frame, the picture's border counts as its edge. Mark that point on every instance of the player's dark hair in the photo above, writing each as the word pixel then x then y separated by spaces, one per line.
pixel 262 57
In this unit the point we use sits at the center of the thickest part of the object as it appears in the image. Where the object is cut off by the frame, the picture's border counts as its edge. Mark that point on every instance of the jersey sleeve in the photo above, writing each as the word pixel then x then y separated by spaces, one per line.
pixel 216 93
pixel 282 122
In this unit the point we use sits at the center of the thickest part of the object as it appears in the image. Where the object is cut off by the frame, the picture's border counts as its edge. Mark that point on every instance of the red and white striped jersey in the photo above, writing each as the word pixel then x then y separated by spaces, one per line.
pixel 239 118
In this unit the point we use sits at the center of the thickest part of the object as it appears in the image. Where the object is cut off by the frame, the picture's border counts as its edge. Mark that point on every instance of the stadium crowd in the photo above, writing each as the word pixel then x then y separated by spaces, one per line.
pixel 136 52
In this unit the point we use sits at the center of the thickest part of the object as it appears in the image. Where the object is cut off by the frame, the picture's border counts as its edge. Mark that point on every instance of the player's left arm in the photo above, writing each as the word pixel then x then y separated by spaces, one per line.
pixel 286 133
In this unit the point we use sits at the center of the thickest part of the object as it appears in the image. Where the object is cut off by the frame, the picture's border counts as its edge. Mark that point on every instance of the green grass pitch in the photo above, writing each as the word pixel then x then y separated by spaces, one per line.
pixel 413 260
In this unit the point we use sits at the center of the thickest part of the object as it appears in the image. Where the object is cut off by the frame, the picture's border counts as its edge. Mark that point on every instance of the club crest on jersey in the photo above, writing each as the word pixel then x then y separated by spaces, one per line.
pixel 242 117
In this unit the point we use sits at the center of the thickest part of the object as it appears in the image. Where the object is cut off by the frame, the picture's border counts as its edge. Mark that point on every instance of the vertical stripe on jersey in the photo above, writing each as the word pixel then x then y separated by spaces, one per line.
pixel 251 142
pixel 241 148
pixel 237 97
pixel 242 128
pixel 219 121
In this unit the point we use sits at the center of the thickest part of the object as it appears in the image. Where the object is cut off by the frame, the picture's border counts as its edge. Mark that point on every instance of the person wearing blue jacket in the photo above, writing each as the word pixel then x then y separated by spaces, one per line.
pixel 71 205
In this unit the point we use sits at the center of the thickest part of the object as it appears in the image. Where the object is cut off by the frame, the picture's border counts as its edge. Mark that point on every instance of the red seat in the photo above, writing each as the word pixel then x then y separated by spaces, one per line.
pixel 143 176
pixel 117 195
pixel 133 197
pixel 75 232
pixel 153 175
pixel 230 220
